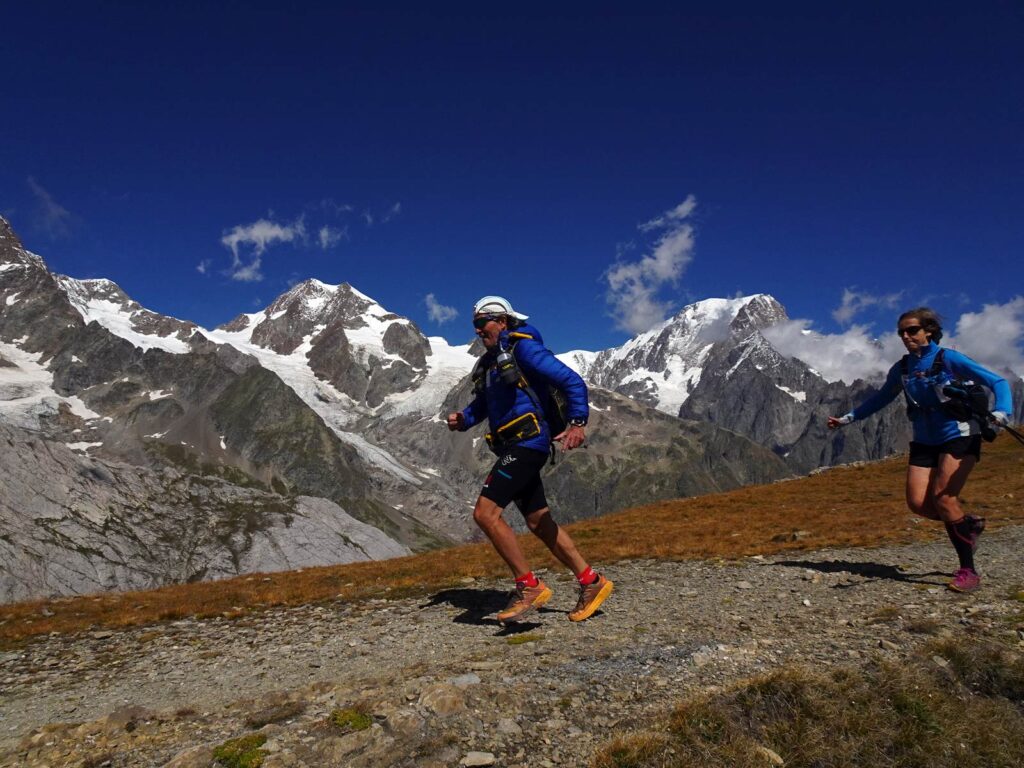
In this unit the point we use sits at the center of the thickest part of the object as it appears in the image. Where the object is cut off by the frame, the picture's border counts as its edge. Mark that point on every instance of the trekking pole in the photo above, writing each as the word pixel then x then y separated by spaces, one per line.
pixel 1016 435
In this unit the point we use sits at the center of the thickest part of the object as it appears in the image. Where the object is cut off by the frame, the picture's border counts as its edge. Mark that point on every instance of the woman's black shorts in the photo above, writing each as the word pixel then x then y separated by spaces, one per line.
pixel 922 455
pixel 515 476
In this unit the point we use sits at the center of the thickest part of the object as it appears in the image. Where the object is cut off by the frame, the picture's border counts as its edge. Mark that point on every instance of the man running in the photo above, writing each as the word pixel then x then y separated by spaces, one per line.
pixel 512 388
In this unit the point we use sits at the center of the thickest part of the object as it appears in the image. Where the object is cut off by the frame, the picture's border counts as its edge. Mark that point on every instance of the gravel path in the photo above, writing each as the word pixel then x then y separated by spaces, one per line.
pixel 446 685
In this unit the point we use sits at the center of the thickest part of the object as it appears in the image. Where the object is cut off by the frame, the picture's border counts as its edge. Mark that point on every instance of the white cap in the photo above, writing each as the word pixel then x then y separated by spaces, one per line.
pixel 496 305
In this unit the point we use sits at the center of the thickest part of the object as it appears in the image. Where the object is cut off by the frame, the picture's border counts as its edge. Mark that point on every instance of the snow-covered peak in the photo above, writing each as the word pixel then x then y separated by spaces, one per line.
pixel 696 326
pixel 663 366
pixel 83 292
pixel 12 253
pixel 309 296
pixel 104 302
pixel 580 360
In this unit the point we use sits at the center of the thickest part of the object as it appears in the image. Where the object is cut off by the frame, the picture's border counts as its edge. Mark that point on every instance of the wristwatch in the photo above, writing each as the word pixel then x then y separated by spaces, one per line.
pixel 577 422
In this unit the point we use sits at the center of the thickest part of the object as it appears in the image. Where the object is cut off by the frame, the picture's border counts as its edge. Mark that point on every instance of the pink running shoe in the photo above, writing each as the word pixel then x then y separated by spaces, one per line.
pixel 965 580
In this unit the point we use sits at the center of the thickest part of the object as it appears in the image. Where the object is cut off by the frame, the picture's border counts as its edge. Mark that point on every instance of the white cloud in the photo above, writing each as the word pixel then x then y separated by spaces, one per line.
pixel 438 312
pixel 633 286
pixel 203 266
pixel 329 204
pixel 256 238
pixel 329 236
pixel 855 302
pixel 49 216
pixel 393 211
pixel 847 356
pixel 994 336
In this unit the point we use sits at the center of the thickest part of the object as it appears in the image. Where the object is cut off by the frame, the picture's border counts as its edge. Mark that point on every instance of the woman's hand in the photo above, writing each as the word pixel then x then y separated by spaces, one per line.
pixel 835 422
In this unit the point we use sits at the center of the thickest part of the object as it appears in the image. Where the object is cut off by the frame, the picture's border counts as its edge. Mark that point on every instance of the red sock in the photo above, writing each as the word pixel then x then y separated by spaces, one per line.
pixel 526 580
pixel 587 576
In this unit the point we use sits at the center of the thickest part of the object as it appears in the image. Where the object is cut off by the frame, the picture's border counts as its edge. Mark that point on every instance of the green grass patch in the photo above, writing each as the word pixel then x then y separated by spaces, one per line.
pixel 987 668
pixel 911 714
pixel 350 720
pixel 524 638
pixel 633 751
pixel 243 752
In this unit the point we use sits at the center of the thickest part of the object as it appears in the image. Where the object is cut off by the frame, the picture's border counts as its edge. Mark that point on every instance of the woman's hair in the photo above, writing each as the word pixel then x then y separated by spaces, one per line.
pixel 929 319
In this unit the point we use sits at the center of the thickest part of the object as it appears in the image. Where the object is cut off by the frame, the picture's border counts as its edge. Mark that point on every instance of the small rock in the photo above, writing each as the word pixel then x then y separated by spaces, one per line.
pixel 770 755
pixel 744 585
pixel 509 727
pixel 888 645
pixel 464 681
pixel 478 759
pixel 405 722
pixel 126 717
pixel 486 666
pixel 443 699
pixel 193 757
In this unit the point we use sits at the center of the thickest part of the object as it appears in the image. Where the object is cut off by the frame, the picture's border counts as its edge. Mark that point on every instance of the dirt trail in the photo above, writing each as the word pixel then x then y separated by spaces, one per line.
pixel 446 685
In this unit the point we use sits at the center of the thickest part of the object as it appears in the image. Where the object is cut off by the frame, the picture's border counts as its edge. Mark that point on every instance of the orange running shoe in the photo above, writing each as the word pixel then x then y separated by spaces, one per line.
pixel 524 601
pixel 591 597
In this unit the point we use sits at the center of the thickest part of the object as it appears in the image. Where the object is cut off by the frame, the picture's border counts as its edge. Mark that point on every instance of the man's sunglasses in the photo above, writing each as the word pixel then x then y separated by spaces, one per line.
pixel 910 330
pixel 483 320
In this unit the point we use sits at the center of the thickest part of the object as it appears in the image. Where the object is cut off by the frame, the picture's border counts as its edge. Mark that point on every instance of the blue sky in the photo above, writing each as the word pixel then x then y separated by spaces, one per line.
pixel 598 166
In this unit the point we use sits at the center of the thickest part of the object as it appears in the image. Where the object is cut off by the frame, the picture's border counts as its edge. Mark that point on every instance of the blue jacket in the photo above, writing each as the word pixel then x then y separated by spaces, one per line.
pixel 931 425
pixel 501 403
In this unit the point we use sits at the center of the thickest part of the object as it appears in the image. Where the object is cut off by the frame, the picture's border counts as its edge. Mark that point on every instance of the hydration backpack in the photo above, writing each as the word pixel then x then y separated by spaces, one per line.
pixel 960 399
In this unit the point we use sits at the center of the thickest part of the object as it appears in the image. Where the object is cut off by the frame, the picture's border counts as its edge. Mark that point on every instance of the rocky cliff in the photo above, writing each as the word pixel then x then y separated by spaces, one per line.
pixel 72 524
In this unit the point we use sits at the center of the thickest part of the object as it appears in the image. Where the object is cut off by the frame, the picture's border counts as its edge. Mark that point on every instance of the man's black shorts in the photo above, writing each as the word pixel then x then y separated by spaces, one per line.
pixel 515 476
pixel 922 455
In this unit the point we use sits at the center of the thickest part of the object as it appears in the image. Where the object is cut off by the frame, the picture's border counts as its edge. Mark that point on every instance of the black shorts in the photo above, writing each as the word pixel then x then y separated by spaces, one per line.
pixel 922 455
pixel 515 476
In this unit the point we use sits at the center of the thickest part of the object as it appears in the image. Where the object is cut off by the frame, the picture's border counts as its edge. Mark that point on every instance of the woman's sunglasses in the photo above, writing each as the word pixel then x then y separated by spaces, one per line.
pixel 910 330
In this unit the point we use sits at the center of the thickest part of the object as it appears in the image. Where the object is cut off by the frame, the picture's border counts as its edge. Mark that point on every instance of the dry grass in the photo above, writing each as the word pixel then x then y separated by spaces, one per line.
pixel 912 714
pixel 856 506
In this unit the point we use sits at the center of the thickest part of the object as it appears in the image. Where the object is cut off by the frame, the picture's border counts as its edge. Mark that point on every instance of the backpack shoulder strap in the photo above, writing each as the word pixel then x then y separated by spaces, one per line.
pixel 479 373
pixel 939 363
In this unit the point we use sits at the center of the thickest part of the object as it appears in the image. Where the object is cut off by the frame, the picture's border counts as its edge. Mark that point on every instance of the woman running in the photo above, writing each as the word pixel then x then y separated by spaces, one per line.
pixel 944 449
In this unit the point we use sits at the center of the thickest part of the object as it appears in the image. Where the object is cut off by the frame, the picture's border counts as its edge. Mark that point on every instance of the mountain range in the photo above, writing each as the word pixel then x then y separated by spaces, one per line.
pixel 143 449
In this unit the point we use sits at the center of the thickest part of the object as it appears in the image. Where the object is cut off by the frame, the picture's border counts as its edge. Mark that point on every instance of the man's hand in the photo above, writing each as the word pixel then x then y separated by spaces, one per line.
pixel 573 437
pixel 456 422
pixel 1000 419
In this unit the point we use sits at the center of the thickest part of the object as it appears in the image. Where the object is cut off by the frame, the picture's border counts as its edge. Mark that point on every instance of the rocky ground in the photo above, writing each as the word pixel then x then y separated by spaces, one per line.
pixel 443 684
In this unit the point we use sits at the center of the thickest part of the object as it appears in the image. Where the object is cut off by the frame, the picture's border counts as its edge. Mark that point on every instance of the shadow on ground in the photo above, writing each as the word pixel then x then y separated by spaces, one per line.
pixel 873 571
pixel 478 607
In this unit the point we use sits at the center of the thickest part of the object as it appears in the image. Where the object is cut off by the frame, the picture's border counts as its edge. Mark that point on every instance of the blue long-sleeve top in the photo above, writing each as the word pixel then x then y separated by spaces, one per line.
pixel 932 426
pixel 501 403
